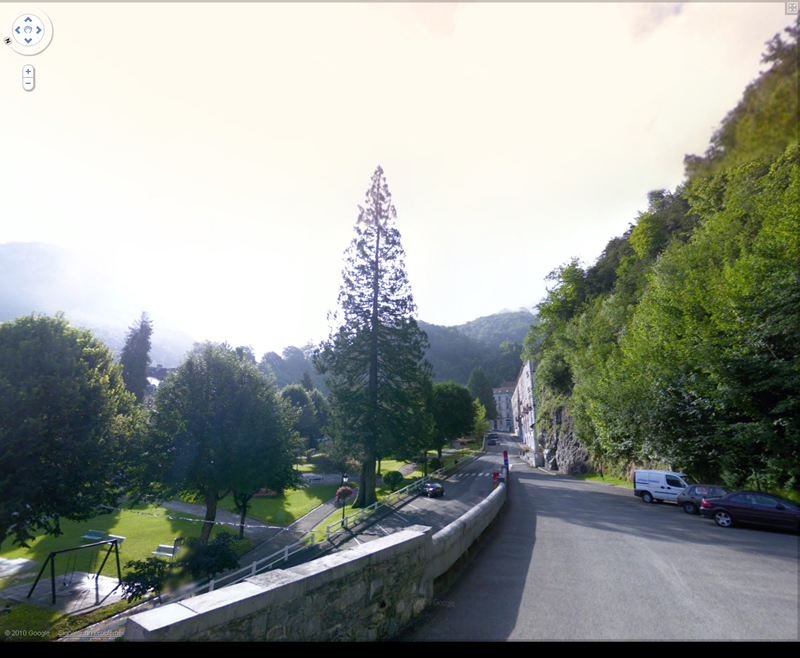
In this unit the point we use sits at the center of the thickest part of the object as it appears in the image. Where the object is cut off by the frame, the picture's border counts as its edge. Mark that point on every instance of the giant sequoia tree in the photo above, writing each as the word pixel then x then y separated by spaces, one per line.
pixel 373 361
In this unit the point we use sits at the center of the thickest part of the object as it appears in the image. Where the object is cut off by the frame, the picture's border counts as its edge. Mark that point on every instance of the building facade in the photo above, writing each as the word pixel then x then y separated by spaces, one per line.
pixel 502 402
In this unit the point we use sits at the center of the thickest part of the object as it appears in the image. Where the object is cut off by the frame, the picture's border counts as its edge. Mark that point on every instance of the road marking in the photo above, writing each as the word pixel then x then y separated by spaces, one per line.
pixel 382 528
pixel 404 520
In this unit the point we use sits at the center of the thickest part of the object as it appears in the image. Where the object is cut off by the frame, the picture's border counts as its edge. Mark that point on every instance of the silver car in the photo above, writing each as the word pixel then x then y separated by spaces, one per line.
pixel 691 497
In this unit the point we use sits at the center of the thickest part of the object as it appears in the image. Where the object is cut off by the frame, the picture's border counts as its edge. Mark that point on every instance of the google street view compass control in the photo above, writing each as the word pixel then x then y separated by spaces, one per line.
pixel 28 31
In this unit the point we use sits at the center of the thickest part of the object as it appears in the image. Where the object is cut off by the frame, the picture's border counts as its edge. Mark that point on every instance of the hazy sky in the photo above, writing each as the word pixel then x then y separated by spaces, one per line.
pixel 210 157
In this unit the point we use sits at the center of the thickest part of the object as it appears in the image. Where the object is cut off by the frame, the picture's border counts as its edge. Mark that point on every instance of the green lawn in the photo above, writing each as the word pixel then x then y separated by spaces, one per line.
pixel 285 509
pixel 608 480
pixel 143 532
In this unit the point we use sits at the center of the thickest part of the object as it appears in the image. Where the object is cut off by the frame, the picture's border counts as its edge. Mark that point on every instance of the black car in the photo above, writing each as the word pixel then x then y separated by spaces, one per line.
pixel 752 507
pixel 433 489
pixel 691 497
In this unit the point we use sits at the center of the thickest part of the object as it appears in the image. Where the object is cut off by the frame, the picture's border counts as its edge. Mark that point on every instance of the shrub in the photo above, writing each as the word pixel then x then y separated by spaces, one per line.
pixel 325 464
pixel 144 576
pixel 207 560
pixel 393 479
pixel 434 464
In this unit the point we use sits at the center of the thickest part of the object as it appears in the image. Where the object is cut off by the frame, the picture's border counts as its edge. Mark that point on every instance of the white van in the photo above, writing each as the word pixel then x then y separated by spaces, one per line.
pixel 659 485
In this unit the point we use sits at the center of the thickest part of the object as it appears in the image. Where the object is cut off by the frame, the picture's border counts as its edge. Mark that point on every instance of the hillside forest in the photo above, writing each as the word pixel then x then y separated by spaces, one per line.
pixel 679 346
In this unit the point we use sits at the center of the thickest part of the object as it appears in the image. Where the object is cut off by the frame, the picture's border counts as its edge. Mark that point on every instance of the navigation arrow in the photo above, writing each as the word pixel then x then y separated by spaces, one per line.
pixel 28 40
pixel 17 30
pixel 38 29
pixel 28 19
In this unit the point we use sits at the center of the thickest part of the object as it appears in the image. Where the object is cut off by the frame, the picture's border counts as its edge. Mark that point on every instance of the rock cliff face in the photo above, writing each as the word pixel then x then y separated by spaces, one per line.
pixel 562 451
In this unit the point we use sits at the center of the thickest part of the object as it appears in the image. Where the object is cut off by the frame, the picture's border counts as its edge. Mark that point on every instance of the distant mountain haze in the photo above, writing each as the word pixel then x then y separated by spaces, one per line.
pixel 46 278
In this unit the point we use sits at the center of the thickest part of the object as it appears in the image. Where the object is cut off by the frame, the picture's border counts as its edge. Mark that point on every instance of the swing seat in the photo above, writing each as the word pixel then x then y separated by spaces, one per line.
pixel 94 535
pixel 118 539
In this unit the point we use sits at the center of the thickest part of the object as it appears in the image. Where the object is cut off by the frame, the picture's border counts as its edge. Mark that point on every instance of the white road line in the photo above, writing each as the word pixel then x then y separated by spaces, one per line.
pixel 382 528
pixel 404 520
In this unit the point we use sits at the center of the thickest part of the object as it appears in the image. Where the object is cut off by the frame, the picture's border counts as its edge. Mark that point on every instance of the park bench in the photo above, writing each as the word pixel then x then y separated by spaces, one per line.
pixel 165 550
pixel 94 535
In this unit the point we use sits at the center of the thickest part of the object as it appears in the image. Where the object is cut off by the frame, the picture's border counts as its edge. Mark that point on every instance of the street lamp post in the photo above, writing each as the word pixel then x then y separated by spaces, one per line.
pixel 344 500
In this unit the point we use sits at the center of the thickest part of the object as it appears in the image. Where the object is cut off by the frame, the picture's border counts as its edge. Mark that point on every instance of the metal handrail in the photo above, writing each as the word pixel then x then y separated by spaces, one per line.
pixel 259 566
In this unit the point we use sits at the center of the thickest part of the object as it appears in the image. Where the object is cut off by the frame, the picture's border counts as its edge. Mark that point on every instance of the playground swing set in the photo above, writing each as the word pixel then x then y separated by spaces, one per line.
pixel 92 551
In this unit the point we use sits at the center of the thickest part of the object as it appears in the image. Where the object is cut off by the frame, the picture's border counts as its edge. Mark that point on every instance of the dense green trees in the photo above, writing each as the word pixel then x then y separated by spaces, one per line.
pixel 64 418
pixel 218 427
pixel 311 412
pixel 453 413
pixel 712 348
pixel 765 121
pixel 480 388
pixel 690 357
pixel 373 362
pixel 294 367
pixel 493 342
pixel 135 356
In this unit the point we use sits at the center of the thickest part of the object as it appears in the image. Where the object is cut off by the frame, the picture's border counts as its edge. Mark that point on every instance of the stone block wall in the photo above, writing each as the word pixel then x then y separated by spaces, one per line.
pixel 364 593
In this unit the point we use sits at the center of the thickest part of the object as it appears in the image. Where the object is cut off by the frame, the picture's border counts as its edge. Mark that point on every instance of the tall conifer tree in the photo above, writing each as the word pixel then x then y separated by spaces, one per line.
pixel 135 356
pixel 373 361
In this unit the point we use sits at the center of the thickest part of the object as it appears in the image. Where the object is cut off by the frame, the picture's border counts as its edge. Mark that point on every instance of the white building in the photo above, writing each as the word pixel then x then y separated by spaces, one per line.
pixel 524 407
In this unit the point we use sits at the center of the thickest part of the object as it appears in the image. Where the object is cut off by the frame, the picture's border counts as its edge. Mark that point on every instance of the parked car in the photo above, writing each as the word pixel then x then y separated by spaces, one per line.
pixel 691 497
pixel 752 507
pixel 491 442
pixel 653 486
pixel 433 490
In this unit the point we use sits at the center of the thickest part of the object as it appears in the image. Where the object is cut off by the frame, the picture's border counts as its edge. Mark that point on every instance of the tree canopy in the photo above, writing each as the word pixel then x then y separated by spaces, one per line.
pixel 373 360
pixel 64 418
pixel 218 427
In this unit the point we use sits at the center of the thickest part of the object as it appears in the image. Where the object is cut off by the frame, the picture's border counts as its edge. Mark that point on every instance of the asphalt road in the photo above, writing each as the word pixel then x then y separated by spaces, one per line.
pixel 463 491
pixel 577 560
